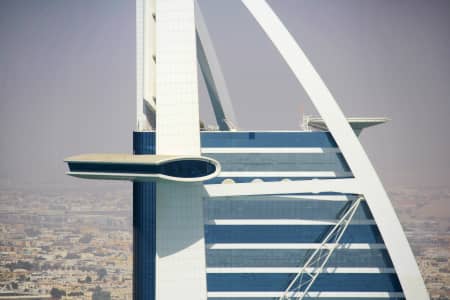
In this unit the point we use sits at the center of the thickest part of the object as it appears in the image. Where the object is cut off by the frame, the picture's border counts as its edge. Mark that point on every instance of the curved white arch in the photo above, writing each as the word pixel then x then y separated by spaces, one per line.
pixel 371 186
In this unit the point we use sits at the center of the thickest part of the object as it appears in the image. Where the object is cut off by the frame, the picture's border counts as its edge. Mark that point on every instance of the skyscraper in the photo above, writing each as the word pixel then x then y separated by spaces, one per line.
pixel 230 214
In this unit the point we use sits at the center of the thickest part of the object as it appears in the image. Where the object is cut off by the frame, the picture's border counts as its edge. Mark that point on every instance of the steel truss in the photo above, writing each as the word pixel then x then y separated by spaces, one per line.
pixel 314 266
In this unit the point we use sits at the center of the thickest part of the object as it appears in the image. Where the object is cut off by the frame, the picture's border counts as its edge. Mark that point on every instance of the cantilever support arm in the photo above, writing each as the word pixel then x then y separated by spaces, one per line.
pixel 377 199
pixel 114 166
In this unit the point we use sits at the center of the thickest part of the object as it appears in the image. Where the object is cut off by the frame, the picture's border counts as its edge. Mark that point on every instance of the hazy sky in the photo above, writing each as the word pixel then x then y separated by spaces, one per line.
pixel 67 79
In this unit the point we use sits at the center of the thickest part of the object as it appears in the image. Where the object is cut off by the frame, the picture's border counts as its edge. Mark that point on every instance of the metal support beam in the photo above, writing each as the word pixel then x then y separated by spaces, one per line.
pixel 213 76
pixel 319 258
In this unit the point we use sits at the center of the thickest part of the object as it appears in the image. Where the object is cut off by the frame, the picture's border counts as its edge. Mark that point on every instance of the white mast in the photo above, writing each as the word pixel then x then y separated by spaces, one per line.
pixel 180 244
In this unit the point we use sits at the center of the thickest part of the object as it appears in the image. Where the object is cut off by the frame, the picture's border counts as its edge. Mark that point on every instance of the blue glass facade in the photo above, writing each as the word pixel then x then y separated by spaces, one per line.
pixel 325 282
pixel 144 226
pixel 186 168
pixel 288 234
pixel 313 208
pixel 235 237
pixel 281 161
pixel 259 207
pixel 286 258
pixel 269 139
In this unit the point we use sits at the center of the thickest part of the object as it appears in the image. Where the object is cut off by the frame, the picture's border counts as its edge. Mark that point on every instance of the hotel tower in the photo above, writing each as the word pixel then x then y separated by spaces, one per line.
pixel 228 214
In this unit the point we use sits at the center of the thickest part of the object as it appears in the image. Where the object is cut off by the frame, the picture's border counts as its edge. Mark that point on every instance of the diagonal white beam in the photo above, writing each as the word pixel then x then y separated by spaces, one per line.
pixel 212 73
pixel 371 186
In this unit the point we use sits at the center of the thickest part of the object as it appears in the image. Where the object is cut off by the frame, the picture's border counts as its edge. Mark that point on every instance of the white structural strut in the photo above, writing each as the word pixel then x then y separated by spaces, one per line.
pixel 276 150
pixel 311 295
pixel 371 186
pixel 180 245
pixel 282 222
pixel 295 197
pixel 280 246
pixel 331 270
pixel 317 261
pixel 212 73
pixel 262 174
pixel 348 186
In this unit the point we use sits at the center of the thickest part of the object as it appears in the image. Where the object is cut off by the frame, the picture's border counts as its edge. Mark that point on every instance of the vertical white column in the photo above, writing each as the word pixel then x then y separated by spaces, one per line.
pixel 176 79
pixel 180 247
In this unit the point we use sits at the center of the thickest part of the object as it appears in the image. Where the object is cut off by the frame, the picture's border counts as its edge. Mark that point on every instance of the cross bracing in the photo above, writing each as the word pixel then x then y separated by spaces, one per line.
pixel 315 264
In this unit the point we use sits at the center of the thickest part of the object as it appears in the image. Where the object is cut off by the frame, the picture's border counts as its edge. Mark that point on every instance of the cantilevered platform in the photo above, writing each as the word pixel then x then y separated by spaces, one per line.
pixel 142 167
pixel 357 124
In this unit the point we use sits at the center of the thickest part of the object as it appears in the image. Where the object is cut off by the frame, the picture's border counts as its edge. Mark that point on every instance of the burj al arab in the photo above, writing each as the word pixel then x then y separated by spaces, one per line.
pixel 228 214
